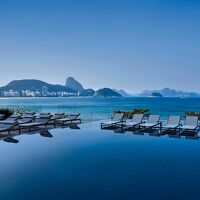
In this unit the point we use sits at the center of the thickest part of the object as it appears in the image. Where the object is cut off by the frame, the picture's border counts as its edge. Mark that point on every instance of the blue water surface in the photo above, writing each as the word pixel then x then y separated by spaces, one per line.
pixel 89 163
pixel 101 108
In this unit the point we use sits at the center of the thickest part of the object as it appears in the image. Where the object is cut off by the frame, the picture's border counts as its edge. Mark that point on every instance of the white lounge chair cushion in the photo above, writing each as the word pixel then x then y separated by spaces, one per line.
pixel 131 123
pixel 7 126
pixel 111 122
pixel 149 124
pixel 69 118
pixel 8 121
pixel 30 124
pixel 188 127
pixel 170 126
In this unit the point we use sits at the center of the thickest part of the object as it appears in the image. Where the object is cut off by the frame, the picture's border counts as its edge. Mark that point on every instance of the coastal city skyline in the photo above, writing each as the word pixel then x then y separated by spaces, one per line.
pixel 74 88
pixel 133 45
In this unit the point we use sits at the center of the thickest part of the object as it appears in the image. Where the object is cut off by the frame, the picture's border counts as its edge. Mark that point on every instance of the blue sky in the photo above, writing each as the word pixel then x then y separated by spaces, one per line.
pixel 134 45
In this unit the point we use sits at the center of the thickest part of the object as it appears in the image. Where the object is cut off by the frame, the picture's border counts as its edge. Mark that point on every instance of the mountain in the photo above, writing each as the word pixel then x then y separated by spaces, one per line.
pixel 122 92
pixel 167 92
pixel 33 84
pixel 156 94
pixel 106 92
pixel 87 92
pixel 74 84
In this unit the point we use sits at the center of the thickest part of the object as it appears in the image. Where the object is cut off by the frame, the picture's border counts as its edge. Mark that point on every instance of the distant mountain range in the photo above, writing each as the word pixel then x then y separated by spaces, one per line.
pixel 122 93
pixel 167 92
pixel 33 84
pixel 74 87
pixel 71 86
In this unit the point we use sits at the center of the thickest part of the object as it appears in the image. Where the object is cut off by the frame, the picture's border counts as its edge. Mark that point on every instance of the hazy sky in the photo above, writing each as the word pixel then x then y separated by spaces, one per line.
pixel 134 45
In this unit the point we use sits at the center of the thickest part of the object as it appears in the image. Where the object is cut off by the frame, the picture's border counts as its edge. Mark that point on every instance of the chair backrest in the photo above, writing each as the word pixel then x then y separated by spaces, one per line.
pixel 153 118
pixel 44 116
pixel 57 115
pixel 137 118
pixel 26 120
pixel 11 119
pixel 7 125
pixel 42 120
pixel 15 116
pixel 2 116
pixel 191 121
pixel 175 120
pixel 117 116
pixel 28 114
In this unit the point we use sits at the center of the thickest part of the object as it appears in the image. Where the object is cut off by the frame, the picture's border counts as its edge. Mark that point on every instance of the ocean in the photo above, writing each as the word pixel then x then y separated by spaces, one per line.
pixel 101 108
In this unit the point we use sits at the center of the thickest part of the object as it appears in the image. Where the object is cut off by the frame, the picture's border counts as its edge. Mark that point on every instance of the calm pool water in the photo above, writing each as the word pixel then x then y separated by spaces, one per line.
pixel 89 163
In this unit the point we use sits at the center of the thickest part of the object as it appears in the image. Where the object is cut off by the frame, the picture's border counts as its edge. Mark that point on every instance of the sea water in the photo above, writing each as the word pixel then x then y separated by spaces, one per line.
pixel 101 108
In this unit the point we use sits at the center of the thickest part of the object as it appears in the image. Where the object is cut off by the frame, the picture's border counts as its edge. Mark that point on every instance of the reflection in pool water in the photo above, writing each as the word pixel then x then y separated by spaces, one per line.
pixel 89 163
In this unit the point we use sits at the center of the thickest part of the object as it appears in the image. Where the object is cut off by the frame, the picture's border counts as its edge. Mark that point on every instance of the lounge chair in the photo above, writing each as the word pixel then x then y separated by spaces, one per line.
pixel 9 120
pixel 116 119
pixel 26 120
pixel 57 116
pixel 2 116
pixel 37 123
pixel 28 114
pixel 135 121
pixel 44 115
pixel 7 127
pixel 70 118
pixel 173 123
pixel 153 121
pixel 191 124
pixel 15 115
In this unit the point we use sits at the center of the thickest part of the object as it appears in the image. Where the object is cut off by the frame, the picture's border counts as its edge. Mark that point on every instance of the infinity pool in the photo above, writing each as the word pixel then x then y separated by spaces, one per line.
pixel 89 163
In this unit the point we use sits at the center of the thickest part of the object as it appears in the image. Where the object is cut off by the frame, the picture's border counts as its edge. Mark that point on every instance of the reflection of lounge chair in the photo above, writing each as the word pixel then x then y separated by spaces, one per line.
pixel 37 123
pixel 10 140
pixel 116 120
pixel 45 133
pixel 153 121
pixel 191 124
pixel 172 124
pixel 74 126
pixel 7 127
pixel 135 121
pixel 72 118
